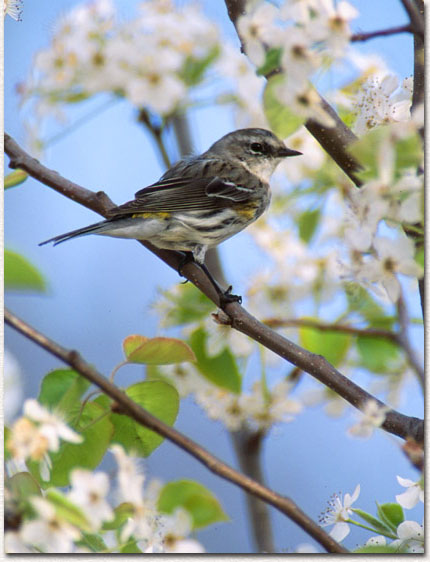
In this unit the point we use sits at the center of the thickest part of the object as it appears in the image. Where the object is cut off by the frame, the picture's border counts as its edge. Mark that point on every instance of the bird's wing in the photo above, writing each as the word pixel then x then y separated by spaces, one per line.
pixel 185 194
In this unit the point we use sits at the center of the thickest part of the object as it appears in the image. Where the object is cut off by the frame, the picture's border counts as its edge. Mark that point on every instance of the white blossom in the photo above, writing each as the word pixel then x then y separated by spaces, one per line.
pixel 142 523
pixel 174 530
pixel 414 493
pixel 393 257
pixel 38 432
pixel 89 492
pixel 410 537
pixel 13 8
pixel 13 544
pixel 12 389
pixel 264 409
pixel 380 101
pixel 50 425
pixel 48 531
pixel 255 28
pixel 338 513
pixel 373 416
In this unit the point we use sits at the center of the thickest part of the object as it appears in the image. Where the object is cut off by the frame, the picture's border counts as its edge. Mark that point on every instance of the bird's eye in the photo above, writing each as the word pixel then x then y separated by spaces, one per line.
pixel 257 147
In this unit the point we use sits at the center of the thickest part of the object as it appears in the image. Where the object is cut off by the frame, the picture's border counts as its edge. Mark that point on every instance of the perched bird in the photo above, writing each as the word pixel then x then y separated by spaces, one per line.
pixel 201 200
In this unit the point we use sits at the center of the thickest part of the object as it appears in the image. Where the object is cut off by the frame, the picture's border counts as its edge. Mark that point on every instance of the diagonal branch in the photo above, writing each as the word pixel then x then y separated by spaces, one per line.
pixel 123 404
pixel 235 315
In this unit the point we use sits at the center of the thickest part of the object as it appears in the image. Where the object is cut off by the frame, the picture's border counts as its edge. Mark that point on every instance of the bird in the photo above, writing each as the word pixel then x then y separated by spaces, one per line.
pixel 201 200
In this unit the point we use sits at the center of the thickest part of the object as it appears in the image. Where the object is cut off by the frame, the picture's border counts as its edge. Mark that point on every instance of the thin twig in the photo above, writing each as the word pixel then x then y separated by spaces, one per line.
pixel 237 316
pixel 396 337
pixel 404 341
pixel 126 406
pixel 381 33
pixel 326 327
pixel 157 134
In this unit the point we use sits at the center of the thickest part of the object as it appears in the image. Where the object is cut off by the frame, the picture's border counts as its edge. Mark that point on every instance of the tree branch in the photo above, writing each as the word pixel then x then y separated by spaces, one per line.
pixel 123 404
pixel 415 11
pixel 404 341
pixel 247 445
pixel 326 327
pixel 400 337
pixel 381 33
pixel 235 315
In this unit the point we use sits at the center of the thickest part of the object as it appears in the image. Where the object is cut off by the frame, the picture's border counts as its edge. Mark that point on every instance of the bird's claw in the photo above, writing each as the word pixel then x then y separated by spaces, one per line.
pixel 227 297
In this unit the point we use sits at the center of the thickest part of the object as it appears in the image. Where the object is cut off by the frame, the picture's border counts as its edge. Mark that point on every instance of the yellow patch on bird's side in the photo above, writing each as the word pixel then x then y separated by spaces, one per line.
pixel 247 212
pixel 149 215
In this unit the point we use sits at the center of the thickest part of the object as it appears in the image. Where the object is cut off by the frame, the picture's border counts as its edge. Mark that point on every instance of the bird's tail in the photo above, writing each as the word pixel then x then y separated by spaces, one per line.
pixel 74 233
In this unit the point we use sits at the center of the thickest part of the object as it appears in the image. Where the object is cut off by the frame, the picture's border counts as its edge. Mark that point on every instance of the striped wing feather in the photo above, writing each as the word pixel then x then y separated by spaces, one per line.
pixel 185 194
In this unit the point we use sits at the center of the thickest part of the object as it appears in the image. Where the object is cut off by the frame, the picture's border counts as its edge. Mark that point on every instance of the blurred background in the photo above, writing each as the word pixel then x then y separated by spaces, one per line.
pixel 101 290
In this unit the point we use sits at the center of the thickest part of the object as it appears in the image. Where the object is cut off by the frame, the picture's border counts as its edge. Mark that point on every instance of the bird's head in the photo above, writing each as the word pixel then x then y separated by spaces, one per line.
pixel 259 150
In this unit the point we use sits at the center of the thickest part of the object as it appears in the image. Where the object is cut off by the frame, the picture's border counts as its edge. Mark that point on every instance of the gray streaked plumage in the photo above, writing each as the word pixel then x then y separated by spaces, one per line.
pixel 201 200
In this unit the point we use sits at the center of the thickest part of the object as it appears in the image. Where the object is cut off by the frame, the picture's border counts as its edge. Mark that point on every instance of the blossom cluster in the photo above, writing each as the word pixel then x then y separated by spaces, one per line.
pixel 156 61
pixel 50 530
pixel 36 433
pixel 305 35
pixel 258 409
pixel 408 536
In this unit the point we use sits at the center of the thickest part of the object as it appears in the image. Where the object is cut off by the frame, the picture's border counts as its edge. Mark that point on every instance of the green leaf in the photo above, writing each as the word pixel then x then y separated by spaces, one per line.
pixel 23 486
pixel 331 345
pixel 21 275
pixel 61 391
pixel 377 549
pixel 15 178
pixel 378 525
pixel 74 97
pixel 94 542
pixel 282 120
pixel 419 257
pixel 157 351
pixel 392 514
pixel 68 510
pixel 408 152
pixel 194 69
pixel 88 454
pixel 201 504
pixel 307 223
pixel 122 513
pixel 130 548
pixel 377 354
pixel 161 400
pixel 221 369
pixel 6 435
pixel 272 62
pixel 131 343
pixel 188 305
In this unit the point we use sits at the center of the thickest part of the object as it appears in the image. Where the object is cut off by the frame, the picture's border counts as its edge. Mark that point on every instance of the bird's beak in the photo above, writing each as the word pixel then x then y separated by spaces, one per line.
pixel 284 152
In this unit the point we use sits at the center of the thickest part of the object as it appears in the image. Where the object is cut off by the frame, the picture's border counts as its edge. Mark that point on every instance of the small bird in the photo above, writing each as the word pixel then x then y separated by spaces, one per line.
pixel 201 200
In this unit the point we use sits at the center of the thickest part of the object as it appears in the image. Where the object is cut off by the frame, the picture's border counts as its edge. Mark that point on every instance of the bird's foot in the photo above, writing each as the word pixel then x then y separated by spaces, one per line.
pixel 188 258
pixel 227 297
